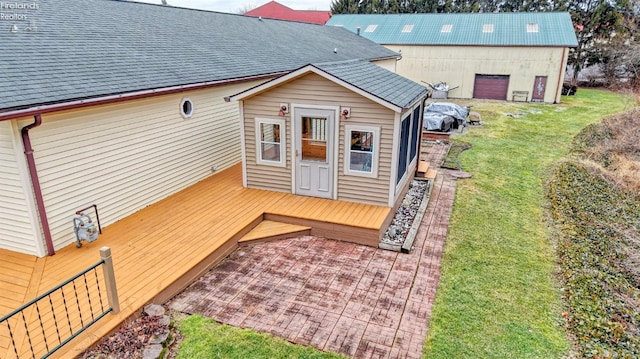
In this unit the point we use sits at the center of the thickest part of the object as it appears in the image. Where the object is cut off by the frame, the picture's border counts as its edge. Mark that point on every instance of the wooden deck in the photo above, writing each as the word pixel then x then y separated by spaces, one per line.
pixel 160 249
pixel 16 270
pixel 271 230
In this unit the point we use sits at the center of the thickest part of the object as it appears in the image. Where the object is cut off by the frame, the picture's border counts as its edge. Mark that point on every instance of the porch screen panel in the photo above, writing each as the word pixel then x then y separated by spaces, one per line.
pixel 415 133
pixel 404 146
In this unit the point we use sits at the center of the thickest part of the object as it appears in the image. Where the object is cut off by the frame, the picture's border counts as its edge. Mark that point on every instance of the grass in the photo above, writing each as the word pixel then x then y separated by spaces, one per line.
pixel 204 338
pixel 498 296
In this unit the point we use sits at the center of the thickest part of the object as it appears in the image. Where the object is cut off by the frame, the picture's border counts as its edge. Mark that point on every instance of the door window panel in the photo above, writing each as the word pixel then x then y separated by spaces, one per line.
pixel 314 139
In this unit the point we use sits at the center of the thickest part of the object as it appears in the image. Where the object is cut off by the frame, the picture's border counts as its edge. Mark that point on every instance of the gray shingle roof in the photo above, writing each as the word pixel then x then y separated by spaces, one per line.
pixel 90 48
pixel 509 29
pixel 377 81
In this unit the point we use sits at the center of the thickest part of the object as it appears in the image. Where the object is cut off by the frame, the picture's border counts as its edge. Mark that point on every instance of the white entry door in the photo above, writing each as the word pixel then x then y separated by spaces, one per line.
pixel 314 152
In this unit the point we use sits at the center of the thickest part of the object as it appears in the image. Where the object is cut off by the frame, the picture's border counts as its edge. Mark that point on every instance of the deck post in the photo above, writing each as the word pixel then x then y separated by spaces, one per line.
pixel 110 279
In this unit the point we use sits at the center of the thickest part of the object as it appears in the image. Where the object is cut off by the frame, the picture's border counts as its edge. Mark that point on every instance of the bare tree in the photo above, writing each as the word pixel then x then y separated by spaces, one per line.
pixel 621 53
pixel 245 8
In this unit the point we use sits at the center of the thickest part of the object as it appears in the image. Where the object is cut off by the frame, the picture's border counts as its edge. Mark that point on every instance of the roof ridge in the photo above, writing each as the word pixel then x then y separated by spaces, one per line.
pixel 339 62
pixel 125 47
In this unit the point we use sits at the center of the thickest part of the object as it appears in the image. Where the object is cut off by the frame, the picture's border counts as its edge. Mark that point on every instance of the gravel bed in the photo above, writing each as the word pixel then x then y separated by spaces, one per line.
pixel 403 219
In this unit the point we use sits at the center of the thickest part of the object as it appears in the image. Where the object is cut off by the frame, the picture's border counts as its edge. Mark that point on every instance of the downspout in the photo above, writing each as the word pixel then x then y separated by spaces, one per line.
pixel 37 191
pixel 560 79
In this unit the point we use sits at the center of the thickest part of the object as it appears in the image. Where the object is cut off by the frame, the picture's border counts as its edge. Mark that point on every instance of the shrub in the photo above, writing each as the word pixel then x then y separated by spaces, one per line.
pixel 598 244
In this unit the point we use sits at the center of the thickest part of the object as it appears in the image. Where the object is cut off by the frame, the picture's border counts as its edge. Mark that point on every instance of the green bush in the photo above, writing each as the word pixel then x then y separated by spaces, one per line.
pixel 595 218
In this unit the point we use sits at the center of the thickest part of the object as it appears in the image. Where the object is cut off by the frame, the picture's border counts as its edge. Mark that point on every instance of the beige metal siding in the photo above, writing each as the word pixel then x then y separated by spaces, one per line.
pixel 17 231
pixel 312 89
pixel 458 65
pixel 389 64
pixel 126 156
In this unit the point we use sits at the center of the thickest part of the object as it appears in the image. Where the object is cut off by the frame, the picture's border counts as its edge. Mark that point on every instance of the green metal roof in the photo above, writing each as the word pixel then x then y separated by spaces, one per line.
pixel 493 29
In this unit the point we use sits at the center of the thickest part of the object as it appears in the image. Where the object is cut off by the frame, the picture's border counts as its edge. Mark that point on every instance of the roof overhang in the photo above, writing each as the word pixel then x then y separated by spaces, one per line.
pixel 307 70
pixel 102 100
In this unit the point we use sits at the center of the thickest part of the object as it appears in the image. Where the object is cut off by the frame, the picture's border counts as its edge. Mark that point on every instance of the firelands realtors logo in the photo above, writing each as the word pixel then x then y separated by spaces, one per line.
pixel 15 12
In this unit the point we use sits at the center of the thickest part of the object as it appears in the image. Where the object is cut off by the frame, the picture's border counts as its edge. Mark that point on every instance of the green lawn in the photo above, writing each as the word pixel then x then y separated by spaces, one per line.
pixel 498 295
pixel 204 338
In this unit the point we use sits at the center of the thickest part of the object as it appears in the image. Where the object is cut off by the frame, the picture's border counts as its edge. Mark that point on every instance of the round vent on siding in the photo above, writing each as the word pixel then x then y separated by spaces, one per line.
pixel 186 107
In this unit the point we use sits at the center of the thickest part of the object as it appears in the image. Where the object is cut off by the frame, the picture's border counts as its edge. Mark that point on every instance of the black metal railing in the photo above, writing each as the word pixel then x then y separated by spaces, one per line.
pixel 44 325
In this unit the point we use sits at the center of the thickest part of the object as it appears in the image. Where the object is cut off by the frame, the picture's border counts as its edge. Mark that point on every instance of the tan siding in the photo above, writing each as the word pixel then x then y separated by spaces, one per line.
pixel 264 176
pixel 17 233
pixel 126 156
pixel 444 63
pixel 315 90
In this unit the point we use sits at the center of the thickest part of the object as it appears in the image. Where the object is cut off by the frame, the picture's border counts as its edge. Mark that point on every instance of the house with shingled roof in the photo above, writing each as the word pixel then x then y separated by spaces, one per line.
pixel 121 104
pixel 358 141
pixel 275 10
pixel 502 56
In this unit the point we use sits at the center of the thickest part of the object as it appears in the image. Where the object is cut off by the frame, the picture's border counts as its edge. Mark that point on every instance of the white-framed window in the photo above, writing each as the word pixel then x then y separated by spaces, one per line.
pixel 270 142
pixel 362 150
pixel 186 107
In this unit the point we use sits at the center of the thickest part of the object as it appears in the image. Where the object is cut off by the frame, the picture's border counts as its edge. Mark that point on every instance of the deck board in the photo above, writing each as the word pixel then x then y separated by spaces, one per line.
pixel 15 274
pixel 268 229
pixel 178 233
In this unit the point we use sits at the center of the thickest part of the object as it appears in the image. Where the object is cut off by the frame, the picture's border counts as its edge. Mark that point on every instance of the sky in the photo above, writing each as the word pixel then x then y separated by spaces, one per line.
pixel 233 6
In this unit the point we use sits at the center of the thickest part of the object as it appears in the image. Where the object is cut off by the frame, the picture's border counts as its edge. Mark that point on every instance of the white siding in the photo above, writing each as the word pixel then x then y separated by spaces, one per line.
pixel 17 231
pixel 126 156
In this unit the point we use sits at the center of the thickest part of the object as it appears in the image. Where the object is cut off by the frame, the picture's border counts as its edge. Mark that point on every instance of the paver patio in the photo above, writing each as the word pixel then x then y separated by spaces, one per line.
pixel 340 297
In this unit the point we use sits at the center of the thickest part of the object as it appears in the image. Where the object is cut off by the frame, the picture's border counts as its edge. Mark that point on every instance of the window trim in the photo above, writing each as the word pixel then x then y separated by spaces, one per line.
pixel 183 113
pixel 271 121
pixel 348 129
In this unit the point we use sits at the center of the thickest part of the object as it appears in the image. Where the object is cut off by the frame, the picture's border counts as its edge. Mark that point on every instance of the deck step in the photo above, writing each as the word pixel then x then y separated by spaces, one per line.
pixel 432 135
pixel 431 173
pixel 270 230
pixel 423 167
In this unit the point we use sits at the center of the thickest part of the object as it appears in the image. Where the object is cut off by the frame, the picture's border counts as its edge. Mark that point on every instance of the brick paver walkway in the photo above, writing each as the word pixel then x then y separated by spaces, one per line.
pixel 341 297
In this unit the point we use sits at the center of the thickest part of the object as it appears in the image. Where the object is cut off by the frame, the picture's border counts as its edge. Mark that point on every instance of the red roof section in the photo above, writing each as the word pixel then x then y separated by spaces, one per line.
pixel 275 10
